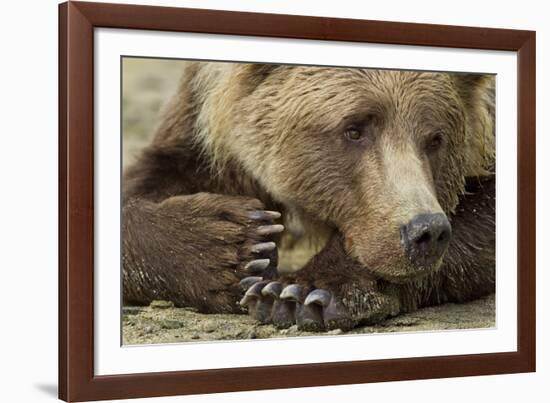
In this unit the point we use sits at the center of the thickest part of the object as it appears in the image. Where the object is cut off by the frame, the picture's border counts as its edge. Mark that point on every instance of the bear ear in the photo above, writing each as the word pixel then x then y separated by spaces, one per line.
pixel 469 79
pixel 471 86
pixel 477 92
pixel 255 73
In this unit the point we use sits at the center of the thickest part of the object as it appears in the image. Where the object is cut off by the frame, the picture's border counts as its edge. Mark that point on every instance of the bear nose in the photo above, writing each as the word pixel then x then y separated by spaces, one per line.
pixel 425 238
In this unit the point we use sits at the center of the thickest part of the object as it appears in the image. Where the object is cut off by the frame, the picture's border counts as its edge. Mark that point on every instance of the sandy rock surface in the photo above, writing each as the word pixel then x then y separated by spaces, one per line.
pixel 162 323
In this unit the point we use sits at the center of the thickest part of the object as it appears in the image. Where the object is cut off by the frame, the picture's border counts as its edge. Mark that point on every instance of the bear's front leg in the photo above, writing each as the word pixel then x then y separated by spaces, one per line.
pixel 194 249
pixel 332 291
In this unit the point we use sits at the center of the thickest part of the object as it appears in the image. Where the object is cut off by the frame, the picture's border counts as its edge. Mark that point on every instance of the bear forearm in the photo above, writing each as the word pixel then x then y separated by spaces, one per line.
pixel 156 261
pixel 469 265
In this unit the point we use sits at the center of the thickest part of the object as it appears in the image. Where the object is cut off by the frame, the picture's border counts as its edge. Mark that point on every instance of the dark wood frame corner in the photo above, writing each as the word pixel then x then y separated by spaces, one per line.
pixel 77 21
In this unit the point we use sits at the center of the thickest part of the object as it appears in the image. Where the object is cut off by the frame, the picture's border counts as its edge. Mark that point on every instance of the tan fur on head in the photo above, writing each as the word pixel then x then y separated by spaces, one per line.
pixel 284 127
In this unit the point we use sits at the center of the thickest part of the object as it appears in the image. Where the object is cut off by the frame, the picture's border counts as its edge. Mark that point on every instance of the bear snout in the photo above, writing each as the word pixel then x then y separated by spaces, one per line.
pixel 425 238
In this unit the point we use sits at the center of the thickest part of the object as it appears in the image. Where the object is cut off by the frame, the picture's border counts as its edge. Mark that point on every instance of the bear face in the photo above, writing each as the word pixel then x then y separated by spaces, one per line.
pixel 380 155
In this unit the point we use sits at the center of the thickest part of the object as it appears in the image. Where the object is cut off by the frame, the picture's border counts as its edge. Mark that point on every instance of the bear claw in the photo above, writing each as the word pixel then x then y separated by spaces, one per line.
pixel 254 292
pixel 257 266
pixel 272 289
pixel 319 297
pixel 248 282
pixel 263 247
pixel 292 292
pixel 317 310
pixel 264 230
pixel 264 215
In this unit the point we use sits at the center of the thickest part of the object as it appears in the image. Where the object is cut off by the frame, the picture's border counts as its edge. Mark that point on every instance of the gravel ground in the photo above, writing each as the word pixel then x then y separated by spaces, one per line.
pixel 162 323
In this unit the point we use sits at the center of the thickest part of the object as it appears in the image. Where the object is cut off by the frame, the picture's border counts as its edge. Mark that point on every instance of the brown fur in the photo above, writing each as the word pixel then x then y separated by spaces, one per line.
pixel 239 138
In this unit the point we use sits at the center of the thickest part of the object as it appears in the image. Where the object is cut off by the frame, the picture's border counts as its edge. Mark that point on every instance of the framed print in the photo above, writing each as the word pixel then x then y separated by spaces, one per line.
pixel 255 201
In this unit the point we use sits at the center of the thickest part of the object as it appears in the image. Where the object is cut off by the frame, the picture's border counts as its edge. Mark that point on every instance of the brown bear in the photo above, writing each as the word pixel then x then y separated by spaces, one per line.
pixel 386 176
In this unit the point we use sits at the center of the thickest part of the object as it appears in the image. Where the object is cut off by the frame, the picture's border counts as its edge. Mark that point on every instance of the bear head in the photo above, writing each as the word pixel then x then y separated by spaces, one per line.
pixel 380 155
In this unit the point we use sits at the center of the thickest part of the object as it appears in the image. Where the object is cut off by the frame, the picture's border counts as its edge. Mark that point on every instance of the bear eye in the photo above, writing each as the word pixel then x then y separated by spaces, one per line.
pixel 361 127
pixel 435 143
pixel 353 134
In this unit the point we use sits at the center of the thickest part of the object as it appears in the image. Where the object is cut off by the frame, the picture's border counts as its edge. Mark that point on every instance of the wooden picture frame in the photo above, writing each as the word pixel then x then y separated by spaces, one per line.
pixel 77 21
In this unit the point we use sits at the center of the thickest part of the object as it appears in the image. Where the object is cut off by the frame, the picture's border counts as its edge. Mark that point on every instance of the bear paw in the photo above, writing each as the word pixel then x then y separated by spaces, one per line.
pixel 314 309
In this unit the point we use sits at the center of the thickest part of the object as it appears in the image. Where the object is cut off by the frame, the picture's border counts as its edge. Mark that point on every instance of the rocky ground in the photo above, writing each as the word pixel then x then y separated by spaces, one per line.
pixel 162 323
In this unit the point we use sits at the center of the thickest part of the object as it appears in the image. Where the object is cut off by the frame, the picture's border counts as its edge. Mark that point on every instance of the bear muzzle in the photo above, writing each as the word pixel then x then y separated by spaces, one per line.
pixel 425 239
